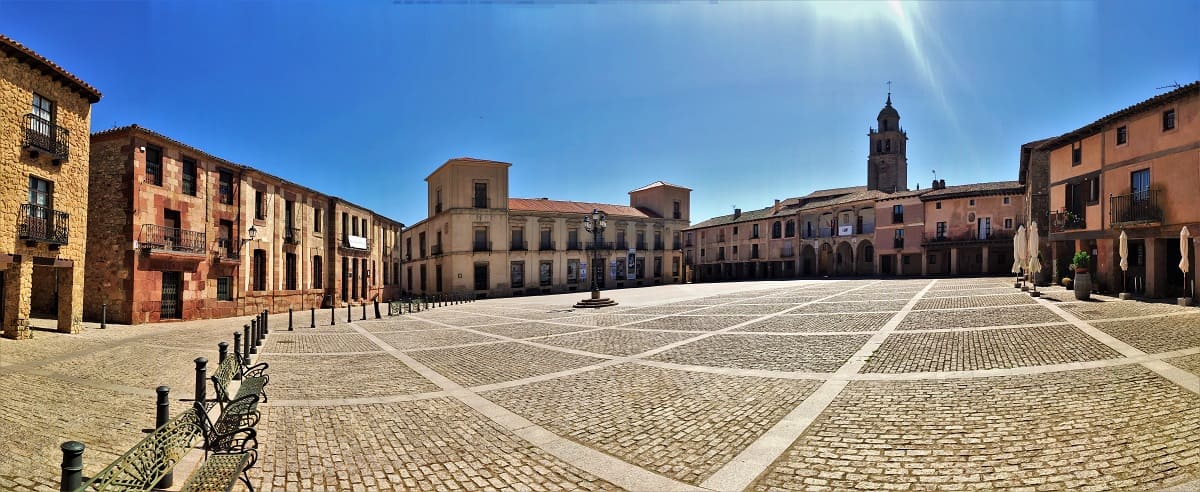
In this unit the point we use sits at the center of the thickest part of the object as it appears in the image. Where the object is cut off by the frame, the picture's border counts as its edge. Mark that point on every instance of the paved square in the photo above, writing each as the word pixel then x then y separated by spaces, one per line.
pixel 945 384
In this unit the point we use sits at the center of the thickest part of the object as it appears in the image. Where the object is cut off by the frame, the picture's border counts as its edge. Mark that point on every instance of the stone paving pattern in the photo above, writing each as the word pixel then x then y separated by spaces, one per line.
pixel 374 404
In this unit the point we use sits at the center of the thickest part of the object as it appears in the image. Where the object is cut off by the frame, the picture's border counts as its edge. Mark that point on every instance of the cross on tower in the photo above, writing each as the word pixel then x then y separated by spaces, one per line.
pixel 889 84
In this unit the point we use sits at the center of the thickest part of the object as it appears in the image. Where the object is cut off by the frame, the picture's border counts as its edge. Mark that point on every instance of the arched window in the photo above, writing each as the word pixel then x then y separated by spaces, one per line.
pixel 868 253
pixel 776 230
pixel 887 147
pixel 878 146
pixel 790 230
pixel 884 126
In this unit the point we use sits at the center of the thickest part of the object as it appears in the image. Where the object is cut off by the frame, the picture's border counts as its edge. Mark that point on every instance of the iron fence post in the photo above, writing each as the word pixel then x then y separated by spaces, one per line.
pixel 201 378
pixel 162 413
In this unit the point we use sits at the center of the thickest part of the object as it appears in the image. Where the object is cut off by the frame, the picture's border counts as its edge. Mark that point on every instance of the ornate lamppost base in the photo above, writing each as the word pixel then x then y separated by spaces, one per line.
pixel 596 301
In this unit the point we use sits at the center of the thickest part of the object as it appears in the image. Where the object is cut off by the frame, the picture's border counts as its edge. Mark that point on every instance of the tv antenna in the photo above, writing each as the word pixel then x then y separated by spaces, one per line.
pixel 934 171
pixel 1173 85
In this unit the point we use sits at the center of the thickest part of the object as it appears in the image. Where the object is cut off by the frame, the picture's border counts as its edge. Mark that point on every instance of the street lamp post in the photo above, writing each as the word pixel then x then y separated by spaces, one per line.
pixel 595 223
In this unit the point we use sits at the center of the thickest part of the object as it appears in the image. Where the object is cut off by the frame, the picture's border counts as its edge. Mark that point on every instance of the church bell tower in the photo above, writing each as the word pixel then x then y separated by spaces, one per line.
pixel 887 165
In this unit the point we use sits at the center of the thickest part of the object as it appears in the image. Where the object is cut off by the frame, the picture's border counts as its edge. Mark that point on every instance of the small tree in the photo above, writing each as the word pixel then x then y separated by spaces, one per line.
pixel 1081 261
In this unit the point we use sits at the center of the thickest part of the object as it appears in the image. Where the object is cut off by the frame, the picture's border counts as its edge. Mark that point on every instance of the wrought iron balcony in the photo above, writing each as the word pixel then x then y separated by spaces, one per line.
pixel 481 246
pixel 43 136
pixel 38 224
pixel 675 245
pixel 658 245
pixel 546 246
pixel 621 245
pixel 573 246
pixel 966 236
pixel 601 245
pixel 1135 208
pixel 898 243
pixel 356 242
pixel 291 235
pixel 162 238
pixel 226 250
pixel 1066 220
pixel 518 245
pixel 641 245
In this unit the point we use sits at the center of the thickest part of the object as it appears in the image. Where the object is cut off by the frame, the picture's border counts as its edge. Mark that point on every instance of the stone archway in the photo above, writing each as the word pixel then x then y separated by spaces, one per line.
pixel 843 259
pixel 825 259
pixel 808 260
pixel 864 258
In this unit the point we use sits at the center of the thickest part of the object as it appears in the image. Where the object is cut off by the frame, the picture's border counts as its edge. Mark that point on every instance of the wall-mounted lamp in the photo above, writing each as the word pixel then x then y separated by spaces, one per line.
pixel 251 233
pixel 142 149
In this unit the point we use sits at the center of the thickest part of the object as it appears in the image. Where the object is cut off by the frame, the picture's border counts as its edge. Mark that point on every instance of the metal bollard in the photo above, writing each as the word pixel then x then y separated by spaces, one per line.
pixel 349 318
pixel 290 320
pixel 332 316
pixel 377 316
pixel 254 336
pixel 162 414
pixel 364 311
pixel 201 379
pixel 237 353
pixel 247 345
pixel 72 465
pixel 313 312
pixel 222 351
pixel 104 316
pixel 265 329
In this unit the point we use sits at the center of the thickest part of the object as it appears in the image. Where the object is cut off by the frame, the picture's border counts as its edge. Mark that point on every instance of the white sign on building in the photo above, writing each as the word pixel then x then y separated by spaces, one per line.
pixel 846 230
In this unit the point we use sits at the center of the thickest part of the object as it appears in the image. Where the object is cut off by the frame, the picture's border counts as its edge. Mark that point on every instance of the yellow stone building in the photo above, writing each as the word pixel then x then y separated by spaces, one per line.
pixel 45 122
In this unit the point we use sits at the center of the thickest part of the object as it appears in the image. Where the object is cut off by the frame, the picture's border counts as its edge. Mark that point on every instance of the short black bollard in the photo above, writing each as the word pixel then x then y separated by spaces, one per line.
pixel 290 320
pixel 377 316
pixel 72 465
pixel 254 336
pixel 237 353
pixel 162 414
pixel 261 334
pixel 332 316
pixel 247 345
pixel 313 312
pixel 104 316
pixel 201 379
pixel 222 351
pixel 265 328
pixel 349 316
pixel 364 311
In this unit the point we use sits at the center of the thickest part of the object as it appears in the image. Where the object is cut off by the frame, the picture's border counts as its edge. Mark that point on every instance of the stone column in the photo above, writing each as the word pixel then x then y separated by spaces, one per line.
pixel 18 291
pixel 987 268
pixel 70 301
pixel 1153 273
pixel 924 263
pixel 953 261
pixel 900 262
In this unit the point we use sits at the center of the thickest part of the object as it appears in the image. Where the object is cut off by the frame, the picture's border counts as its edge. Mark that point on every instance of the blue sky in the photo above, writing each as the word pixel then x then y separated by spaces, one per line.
pixel 743 102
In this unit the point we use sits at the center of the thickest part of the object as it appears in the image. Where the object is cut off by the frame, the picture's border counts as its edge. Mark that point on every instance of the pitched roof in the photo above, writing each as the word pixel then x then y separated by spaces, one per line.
pixel 747 216
pixel 656 184
pixel 906 194
pixel 975 189
pixel 1098 125
pixel 857 196
pixel 833 191
pixel 44 65
pixel 580 208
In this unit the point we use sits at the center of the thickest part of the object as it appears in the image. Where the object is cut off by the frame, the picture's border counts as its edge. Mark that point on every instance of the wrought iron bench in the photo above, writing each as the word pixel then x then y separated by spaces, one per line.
pixel 254 379
pixel 151 459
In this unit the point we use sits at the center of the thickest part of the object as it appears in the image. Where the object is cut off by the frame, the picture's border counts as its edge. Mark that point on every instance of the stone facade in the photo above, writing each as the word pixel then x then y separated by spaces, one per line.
pixel 187 235
pixel 1136 170
pixel 479 242
pixel 1035 175
pixel 45 117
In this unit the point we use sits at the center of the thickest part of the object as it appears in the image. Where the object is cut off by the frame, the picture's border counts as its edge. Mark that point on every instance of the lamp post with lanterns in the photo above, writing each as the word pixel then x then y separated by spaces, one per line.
pixel 595 223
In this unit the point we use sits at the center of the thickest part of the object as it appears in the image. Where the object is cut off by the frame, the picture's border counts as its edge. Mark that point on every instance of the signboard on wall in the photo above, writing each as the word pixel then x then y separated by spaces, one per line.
pixel 846 230
pixel 357 242
pixel 583 271
pixel 631 264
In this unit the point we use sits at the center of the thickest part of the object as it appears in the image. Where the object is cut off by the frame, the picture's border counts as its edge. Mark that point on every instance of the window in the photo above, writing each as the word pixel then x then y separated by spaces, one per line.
pixel 620 239
pixel 572 271
pixel 154 165
pixel 1076 154
pixel 641 239
pixel 753 251
pixel 225 239
pixel 481 192
pixel 899 233
pixel 1122 135
pixel 260 269
pixel 189 177
pixel 289 271
pixel 424 276
pixel 316 272
pixel 1008 223
pixel 437 206
pixel 573 239
pixel 735 230
pixel 905 258
pixel 318 218
pixel 971 202
pixel 639 266
pixel 545 273
pixel 354 226
pixel 517 274
pixel 941 230
pixel 1139 183
pixel 481 240
pixel 224 288
pixel 225 187
pixel 869 253
pixel 657 266
pixel 702 252
pixel 1168 120
pixel 260 205
pixel 887 145
pixel 754 231
pixel 675 214
pixel 43 109
pixel 878 146
pixel 1007 200
pixel 1094 190
pixel 675 267
pixel 932 259
pixel 544 241
pixel 937 205
pixel 897 214
pixel 421 245
pixel 518 239
pixel 790 229
pixel 41 194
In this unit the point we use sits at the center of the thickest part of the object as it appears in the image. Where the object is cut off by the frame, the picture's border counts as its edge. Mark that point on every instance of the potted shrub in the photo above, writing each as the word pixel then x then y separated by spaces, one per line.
pixel 1083 278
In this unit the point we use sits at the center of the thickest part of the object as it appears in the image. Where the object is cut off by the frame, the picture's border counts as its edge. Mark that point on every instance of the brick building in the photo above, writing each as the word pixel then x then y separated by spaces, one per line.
pixel 1136 170
pixel 479 241
pixel 183 234
pixel 45 119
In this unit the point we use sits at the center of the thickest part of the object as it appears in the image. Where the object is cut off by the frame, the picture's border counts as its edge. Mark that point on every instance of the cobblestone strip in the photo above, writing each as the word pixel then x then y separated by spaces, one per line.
pixel 337 402
pixel 753 461
pixel 1187 380
pixel 605 466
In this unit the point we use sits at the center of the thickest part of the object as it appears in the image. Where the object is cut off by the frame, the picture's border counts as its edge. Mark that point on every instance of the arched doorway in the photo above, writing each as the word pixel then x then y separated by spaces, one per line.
pixel 843 259
pixel 808 261
pixel 825 259
pixel 864 258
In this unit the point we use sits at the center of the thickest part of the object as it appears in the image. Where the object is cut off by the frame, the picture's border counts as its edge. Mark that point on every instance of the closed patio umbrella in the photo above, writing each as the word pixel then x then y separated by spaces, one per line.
pixel 1031 254
pixel 1123 250
pixel 1019 250
pixel 1183 253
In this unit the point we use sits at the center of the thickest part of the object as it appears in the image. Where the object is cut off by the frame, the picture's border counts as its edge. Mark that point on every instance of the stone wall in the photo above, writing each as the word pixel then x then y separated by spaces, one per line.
pixel 110 246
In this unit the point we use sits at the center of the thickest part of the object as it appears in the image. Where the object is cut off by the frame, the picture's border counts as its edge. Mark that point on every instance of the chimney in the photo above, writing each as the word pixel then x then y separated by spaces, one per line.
pixel 737 212
pixel 776 204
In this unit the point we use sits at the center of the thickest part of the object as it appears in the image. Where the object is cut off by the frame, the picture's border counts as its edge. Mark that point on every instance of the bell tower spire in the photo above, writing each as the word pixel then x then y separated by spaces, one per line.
pixel 887 163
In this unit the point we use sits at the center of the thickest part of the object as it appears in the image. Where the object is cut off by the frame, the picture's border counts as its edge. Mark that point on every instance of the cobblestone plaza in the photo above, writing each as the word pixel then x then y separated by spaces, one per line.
pixel 922 384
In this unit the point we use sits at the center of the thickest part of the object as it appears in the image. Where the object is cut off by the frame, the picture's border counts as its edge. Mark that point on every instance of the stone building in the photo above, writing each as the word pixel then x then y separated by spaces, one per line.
pixel 364 244
pixel 45 119
pixel 1035 176
pixel 478 241
pixel 1136 170
pixel 183 234
pixel 878 229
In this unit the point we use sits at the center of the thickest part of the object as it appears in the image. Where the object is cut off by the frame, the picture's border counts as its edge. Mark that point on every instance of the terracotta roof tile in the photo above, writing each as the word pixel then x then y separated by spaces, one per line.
pixel 656 184
pixel 975 189
pixel 21 52
pixel 581 208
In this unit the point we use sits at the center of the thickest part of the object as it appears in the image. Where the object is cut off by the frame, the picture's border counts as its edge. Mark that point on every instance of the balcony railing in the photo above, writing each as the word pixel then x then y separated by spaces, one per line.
pixel 226 249
pixel 601 245
pixel 967 235
pixel 518 246
pixel 291 235
pixel 1067 221
pixel 36 223
pixel 1135 208
pixel 573 246
pixel 897 218
pixel 42 135
pixel 546 246
pixel 162 238
pixel 481 246
pixel 621 245
pixel 898 243
pixel 435 250
pixel 658 245
pixel 641 245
